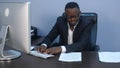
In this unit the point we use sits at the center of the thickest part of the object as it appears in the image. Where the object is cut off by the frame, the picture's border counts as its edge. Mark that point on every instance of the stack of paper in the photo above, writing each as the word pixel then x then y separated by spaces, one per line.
pixel 70 57
pixel 112 57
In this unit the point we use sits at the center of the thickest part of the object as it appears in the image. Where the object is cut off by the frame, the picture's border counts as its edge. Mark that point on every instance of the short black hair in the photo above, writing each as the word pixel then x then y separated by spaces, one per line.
pixel 72 5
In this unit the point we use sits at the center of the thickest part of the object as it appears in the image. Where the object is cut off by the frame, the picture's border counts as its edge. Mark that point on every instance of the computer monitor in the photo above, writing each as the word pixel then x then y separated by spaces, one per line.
pixel 16 15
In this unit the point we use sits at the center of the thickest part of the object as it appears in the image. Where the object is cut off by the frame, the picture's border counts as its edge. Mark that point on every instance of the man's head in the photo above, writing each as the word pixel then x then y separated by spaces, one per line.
pixel 72 12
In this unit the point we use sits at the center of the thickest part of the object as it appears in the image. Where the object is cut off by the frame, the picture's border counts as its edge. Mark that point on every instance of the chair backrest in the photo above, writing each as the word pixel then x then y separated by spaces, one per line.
pixel 93 18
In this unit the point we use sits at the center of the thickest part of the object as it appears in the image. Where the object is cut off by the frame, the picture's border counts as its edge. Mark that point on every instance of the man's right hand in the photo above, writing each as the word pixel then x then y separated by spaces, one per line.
pixel 42 48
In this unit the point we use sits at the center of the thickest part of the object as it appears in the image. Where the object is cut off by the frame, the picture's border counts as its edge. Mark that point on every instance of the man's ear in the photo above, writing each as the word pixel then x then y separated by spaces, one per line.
pixel 64 16
pixel 79 12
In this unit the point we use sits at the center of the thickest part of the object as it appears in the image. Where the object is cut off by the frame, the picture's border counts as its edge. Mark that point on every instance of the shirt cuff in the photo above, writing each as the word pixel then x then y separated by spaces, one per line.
pixel 44 44
pixel 63 49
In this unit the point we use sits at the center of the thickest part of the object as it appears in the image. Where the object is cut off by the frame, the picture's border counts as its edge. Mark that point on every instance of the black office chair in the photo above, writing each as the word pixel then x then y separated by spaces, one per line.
pixel 92 17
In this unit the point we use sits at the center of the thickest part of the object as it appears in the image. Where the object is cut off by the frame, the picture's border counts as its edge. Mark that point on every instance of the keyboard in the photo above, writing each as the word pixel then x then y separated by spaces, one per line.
pixel 41 55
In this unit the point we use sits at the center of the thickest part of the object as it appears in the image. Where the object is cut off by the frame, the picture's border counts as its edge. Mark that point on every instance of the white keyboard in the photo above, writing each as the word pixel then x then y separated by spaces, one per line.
pixel 41 55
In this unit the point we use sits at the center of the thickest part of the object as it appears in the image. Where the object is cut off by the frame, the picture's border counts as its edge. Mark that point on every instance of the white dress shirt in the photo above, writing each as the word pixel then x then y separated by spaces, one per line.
pixel 70 37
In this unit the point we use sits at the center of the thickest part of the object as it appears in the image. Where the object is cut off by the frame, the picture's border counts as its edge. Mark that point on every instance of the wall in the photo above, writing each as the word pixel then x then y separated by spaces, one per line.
pixel 45 12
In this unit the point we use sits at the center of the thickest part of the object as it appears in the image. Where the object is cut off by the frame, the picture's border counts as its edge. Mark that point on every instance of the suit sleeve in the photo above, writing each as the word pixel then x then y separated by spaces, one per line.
pixel 52 34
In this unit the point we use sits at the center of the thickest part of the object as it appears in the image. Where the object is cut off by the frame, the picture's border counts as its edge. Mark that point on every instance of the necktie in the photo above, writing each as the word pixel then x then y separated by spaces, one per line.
pixel 72 28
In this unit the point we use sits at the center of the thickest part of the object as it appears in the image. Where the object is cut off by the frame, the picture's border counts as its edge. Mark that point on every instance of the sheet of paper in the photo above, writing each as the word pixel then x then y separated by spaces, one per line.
pixel 70 57
pixel 111 57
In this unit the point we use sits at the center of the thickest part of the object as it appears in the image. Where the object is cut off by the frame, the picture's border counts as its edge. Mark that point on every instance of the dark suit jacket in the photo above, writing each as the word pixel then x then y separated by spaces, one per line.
pixel 81 34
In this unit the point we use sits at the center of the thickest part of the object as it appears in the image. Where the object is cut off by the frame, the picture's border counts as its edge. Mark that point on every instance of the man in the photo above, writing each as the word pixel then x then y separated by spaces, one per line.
pixel 74 32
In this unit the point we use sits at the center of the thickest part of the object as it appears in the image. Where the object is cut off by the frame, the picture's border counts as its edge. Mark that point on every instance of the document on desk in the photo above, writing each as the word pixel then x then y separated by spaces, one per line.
pixel 70 57
pixel 110 57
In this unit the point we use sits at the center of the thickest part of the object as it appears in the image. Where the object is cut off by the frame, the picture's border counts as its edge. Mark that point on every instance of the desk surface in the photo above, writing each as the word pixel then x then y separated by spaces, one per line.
pixel 89 60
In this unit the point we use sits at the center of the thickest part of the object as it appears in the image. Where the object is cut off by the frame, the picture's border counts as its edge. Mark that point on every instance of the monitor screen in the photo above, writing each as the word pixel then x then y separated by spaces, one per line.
pixel 16 15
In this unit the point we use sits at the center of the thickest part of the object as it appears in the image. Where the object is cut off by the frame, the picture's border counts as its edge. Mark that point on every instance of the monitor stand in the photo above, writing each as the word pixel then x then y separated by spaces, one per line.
pixel 6 54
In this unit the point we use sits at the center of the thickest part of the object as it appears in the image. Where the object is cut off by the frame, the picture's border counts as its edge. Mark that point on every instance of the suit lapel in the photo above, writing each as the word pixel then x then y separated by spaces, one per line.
pixel 65 29
pixel 77 30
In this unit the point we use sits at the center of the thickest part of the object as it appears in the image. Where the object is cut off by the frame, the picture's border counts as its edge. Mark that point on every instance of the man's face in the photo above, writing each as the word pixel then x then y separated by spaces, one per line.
pixel 72 15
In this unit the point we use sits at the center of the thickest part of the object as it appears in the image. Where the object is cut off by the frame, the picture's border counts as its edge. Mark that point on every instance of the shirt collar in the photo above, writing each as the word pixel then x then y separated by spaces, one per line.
pixel 74 25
